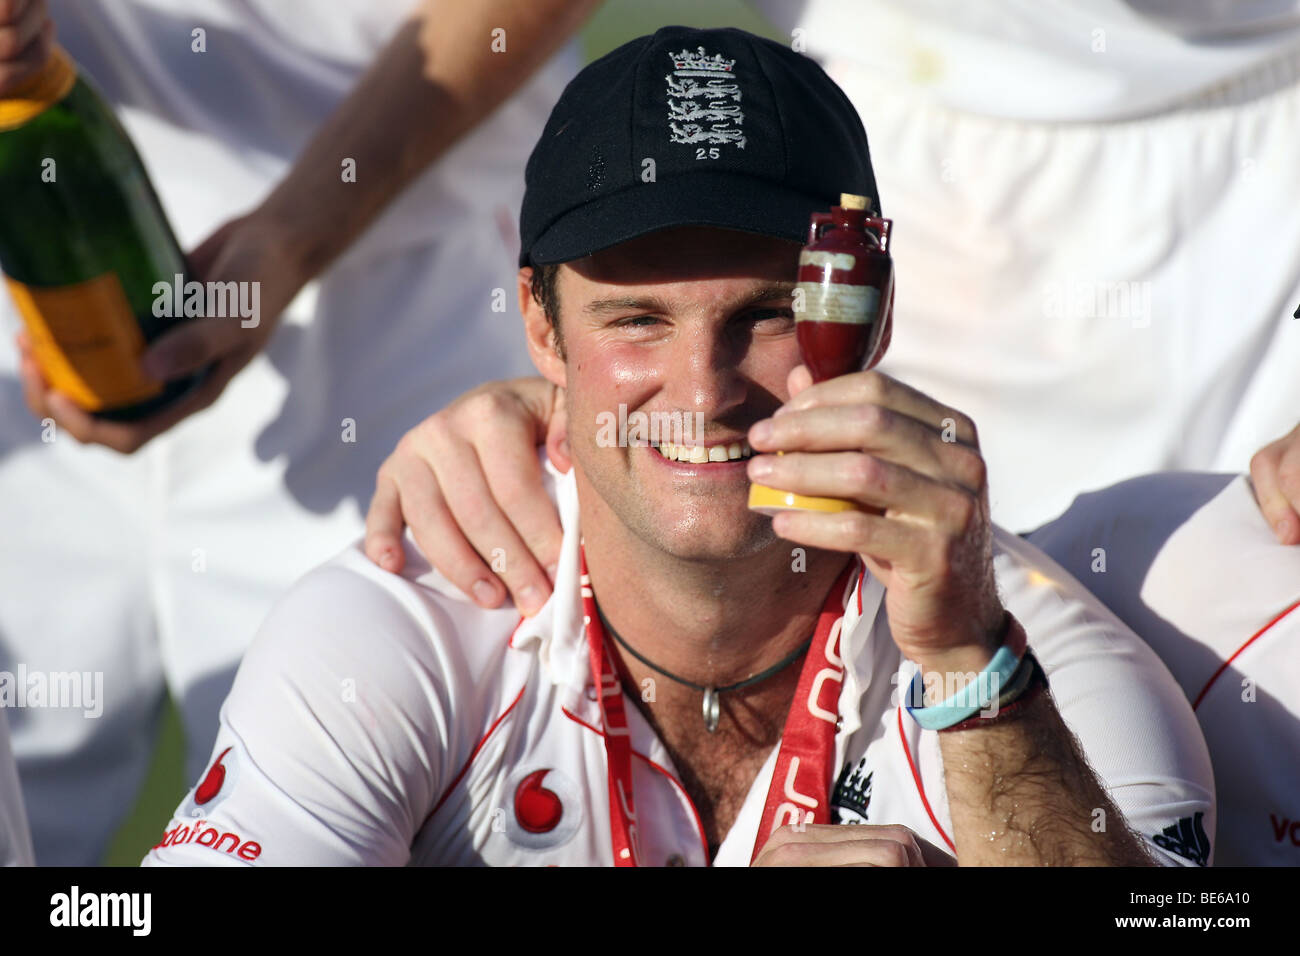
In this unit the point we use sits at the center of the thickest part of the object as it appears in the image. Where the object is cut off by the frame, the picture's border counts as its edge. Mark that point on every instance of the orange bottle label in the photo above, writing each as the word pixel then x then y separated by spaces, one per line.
pixel 86 340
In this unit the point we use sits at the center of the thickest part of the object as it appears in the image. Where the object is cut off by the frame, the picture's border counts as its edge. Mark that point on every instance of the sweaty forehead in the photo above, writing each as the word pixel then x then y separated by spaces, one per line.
pixel 690 254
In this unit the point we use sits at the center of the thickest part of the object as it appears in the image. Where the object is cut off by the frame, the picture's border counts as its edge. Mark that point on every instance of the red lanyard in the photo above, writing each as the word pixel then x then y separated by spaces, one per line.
pixel 801 781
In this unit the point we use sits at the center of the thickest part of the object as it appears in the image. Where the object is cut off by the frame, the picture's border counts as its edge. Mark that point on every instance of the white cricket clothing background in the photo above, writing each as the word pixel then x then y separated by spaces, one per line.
pixel 163 564
pixel 1048 61
pixel 1191 565
pixel 368 701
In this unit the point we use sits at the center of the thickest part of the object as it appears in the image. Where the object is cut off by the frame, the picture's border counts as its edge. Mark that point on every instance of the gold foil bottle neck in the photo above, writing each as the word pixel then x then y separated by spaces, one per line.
pixel 34 97
pixel 853 201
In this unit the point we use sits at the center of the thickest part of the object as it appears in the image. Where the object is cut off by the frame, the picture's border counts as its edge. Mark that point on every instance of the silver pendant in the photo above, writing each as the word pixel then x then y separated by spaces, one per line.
pixel 712 709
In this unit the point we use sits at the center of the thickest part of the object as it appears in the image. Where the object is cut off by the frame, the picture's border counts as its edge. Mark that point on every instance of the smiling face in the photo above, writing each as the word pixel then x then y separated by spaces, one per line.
pixel 692 321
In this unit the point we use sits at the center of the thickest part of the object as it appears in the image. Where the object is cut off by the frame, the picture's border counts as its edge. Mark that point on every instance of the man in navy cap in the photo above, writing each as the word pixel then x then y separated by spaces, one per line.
pixel 707 684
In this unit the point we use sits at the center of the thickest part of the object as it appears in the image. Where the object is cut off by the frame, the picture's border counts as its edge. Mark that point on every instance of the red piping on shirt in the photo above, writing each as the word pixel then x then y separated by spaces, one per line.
pixel 1224 666
pixel 511 642
pixel 920 789
pixel 477 747
pixel 699 825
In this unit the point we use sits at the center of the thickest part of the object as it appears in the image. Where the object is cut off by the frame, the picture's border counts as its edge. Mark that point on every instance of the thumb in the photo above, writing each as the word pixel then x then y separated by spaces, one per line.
pixel 189 347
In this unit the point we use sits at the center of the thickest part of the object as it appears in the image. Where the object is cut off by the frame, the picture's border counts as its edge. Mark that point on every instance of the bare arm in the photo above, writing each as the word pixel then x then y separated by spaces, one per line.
pixel 438 78
pixel 1021 794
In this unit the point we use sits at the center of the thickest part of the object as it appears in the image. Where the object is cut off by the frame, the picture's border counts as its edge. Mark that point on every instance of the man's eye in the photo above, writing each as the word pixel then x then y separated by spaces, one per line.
pixel 640 321
pixel 772 316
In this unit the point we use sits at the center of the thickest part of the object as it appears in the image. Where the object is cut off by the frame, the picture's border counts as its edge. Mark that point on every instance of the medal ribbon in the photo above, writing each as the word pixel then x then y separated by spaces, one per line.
pixel 801 781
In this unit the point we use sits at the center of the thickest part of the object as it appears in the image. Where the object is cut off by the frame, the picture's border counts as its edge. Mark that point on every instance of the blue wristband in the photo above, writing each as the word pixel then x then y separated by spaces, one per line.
pixel 974 697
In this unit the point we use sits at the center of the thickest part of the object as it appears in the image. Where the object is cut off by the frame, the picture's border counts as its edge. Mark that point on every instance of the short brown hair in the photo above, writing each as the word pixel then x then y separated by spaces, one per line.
pixel 543 283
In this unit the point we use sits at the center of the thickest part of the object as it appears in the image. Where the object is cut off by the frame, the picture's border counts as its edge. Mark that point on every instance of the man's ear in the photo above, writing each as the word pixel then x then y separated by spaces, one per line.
pixel 541 336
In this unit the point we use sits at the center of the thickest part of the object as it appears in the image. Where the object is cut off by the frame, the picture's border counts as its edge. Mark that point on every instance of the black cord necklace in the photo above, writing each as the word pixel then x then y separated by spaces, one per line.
pixel 712 707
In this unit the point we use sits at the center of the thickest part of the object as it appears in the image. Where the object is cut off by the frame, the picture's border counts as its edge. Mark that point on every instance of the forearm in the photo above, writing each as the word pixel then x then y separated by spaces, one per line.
pixel 436 80
pixel 1021 793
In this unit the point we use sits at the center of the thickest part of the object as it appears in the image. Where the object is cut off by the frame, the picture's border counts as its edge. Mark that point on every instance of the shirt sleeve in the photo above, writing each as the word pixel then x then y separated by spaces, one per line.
pixel 1130 717
pixel 335 739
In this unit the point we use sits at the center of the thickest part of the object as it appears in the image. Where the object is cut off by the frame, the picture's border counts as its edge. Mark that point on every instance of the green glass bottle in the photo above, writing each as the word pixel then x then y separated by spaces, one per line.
pixel 83 240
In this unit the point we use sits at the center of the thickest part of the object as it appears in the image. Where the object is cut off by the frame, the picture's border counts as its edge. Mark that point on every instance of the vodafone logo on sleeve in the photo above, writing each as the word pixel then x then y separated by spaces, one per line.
pixel 544 808
pixel 212 782
pixel 192 819
pixel 222 841
pixel 217 783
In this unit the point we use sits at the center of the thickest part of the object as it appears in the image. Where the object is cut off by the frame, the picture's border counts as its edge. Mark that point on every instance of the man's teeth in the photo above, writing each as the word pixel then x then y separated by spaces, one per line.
pixel 698 454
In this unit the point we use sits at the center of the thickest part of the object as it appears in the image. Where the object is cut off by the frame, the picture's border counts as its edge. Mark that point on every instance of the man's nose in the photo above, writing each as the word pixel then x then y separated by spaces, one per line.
pixel 705 373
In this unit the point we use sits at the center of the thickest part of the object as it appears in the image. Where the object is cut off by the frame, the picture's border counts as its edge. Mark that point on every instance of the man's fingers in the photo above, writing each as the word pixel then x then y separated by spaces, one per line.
pixel 438 535
pixel 858 852
pixel 44 402
pixel 17 32
pixel 85 428
pixel 876 485
pixel 515 476
pixel 489 530
pixel 877 430
pixel 877 388
pixel 191 346
pixel 826 845
pixel 384 526
pixel 468 483
pixel 129 437
pixel 19 69
pixel 34 387
pixel 1275 474
pixel 407 491
pixel 12 10
pixel 855 532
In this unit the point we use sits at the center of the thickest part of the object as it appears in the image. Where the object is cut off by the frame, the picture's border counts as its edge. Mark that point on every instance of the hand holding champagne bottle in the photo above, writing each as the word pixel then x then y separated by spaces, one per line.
pixel 312 216
pixel 246 249
pixel 85 245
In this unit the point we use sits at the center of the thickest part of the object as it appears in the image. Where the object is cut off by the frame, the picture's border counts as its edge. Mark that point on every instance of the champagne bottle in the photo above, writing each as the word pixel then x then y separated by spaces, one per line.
pixel 83 240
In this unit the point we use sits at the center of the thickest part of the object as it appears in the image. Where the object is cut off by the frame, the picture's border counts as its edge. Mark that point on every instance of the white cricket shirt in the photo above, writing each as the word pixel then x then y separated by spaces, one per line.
pixel 1188 561
pixel 384 719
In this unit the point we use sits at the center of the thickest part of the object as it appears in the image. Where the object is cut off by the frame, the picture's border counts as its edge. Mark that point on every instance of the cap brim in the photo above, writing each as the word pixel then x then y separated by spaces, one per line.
pixel 723 200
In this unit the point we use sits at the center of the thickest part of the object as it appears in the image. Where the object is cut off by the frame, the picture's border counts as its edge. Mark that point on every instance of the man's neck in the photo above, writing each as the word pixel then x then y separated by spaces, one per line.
pixel 712 623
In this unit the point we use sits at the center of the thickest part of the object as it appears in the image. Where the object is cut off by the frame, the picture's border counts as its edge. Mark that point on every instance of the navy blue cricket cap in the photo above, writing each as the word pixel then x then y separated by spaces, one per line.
pixel 691 127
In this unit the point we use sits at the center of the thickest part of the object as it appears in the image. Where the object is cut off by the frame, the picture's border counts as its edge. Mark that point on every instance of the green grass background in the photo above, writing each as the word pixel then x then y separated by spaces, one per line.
pixel 615 23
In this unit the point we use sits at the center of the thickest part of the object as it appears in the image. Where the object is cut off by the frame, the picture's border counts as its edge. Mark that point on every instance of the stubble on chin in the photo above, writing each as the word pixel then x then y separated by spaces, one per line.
pixel 693 523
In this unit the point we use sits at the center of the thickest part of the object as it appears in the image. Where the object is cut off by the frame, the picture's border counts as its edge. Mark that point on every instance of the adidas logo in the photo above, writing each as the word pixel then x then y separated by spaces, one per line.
pixel 852 794
pixel 1186 838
